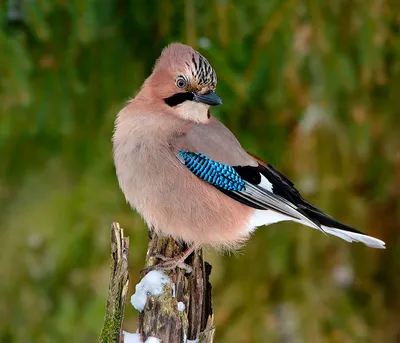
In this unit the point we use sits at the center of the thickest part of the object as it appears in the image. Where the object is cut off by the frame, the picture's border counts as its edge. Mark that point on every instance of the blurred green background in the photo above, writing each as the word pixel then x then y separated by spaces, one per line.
pixel 311 86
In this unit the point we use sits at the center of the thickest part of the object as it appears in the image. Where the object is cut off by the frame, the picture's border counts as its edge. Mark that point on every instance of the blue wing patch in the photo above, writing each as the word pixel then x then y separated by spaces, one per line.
pixel 215 173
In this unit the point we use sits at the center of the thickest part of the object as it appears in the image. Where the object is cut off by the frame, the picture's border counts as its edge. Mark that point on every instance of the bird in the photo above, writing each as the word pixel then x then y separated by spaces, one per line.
pixel 188 176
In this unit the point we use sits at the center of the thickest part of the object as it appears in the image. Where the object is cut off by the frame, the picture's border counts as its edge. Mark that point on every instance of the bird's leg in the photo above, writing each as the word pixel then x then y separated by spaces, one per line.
pixel 171 263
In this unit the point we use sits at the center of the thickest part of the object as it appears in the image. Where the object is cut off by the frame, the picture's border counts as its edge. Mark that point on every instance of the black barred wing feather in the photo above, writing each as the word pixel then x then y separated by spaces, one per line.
pixel 218 174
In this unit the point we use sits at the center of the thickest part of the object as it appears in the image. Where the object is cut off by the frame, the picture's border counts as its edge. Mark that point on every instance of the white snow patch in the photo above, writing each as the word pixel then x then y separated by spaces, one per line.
pixel 192 340
pixel 135 338
pixel 181 306
pixel 132 337
pixel 152 284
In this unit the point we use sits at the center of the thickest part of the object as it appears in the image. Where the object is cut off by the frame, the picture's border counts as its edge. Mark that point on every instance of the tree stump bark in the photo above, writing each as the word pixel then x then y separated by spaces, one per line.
pixel 118 287
pixel 161 317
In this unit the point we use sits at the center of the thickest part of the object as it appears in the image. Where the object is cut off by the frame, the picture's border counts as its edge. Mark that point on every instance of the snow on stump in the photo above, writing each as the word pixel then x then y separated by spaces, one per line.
pixel 183 312
pixel 174 306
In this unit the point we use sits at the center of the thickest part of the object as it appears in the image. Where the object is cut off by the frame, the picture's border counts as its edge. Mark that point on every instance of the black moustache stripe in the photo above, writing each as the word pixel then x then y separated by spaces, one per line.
pixel 178 98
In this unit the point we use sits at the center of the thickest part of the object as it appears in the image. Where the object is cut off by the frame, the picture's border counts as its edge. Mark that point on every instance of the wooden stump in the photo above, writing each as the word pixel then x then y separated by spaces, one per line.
pixel 160 317
pixel 118 287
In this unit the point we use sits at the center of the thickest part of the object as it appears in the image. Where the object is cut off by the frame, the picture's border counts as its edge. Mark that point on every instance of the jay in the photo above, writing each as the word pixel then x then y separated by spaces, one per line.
pixel 189 177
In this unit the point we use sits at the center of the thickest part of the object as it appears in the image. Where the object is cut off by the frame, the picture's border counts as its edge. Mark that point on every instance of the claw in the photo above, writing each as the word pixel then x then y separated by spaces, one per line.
pixel 168 264
pixel 171 263
pixel 162 257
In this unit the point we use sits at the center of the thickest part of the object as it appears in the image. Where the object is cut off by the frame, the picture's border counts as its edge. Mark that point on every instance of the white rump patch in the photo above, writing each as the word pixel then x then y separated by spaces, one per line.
pixel 265 217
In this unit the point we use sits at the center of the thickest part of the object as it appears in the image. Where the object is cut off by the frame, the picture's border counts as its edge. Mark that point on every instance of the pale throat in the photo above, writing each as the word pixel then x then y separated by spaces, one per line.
pixel 195 111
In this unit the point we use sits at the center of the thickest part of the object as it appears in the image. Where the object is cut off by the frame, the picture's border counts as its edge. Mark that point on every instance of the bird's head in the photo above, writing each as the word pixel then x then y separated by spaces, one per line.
pixel 185 81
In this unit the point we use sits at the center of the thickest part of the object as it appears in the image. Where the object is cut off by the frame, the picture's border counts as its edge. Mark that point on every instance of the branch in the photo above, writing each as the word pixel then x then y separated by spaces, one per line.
pixel 118 287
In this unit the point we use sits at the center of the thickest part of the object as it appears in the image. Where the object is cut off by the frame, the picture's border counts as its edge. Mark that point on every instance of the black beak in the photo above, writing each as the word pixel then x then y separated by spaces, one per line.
pixel 209 99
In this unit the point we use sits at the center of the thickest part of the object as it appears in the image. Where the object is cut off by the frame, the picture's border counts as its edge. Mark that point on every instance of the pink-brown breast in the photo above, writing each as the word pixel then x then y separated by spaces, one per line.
pixel 167 195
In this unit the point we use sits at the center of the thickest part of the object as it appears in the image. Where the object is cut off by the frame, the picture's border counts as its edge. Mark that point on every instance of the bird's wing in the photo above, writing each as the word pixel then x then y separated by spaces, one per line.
pixel 215 141
pixel 242 183
pixel 215 156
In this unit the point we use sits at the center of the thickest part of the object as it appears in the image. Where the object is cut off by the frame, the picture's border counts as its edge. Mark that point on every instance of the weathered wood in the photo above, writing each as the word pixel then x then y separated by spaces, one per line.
pixel 118 287
pixel 160 317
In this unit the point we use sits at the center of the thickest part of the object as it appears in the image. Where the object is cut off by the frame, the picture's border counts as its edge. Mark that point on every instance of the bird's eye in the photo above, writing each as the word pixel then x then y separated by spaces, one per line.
pixel 180 82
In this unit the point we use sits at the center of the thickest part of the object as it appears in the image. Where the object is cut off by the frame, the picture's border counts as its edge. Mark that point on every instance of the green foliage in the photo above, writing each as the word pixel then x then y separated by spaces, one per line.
pixel 311 86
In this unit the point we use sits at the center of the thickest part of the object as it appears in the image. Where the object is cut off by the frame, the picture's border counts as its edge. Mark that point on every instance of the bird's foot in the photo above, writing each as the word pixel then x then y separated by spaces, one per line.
pixel 169 263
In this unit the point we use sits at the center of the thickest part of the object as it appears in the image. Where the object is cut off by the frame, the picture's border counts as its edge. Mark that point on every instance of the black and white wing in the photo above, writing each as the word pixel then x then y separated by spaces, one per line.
pixel 269 192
